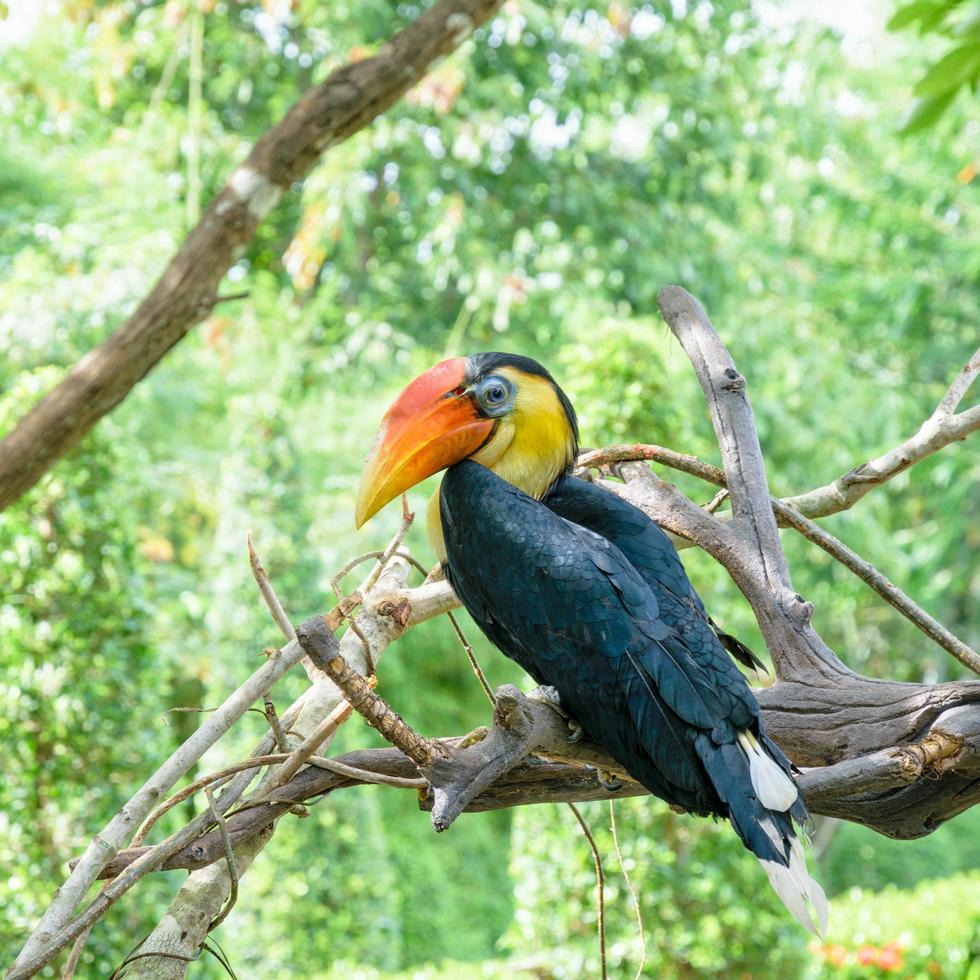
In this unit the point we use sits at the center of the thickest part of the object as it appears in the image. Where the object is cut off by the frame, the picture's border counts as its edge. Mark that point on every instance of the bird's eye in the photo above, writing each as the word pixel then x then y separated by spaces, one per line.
pixel 496 395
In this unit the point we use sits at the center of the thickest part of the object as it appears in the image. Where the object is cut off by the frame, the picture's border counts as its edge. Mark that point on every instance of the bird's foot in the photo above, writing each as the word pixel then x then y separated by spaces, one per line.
pixel 609 781
pixel 545 694
pixel 471 738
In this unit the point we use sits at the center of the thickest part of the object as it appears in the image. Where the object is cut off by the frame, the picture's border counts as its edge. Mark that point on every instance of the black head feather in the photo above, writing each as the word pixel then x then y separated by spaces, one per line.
pixel 479 365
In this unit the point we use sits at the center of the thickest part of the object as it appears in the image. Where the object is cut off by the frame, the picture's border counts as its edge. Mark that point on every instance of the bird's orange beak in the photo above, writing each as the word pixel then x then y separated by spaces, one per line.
pixel 433 424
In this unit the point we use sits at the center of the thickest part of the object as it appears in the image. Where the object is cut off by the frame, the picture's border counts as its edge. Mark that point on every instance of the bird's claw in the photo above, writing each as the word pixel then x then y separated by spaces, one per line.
pixel 608 781
pixel 546 694
pixel 471 738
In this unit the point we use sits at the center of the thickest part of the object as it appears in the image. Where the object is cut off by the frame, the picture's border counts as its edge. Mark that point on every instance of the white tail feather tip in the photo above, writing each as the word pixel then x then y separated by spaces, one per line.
pixel 774 789
pixel 800 893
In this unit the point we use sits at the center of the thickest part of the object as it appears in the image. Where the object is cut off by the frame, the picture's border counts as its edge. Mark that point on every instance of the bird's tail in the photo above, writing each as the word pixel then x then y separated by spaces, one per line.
pixel 752 778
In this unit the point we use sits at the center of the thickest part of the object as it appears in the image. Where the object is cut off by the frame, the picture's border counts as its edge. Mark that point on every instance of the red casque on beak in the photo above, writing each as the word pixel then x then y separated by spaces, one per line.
pixel 427 429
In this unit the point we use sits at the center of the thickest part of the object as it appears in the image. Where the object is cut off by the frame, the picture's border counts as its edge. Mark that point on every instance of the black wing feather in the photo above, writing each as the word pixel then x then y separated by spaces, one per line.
pixel 567 605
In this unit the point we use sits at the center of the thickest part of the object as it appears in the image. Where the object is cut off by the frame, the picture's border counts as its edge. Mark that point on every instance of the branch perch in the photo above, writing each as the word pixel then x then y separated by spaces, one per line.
pixel 901 758
pixel 527 759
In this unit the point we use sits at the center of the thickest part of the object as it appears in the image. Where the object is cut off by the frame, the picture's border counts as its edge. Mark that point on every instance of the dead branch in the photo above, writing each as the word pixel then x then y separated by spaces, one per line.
pixel 943 427
pixel 350 99
pixel 550 769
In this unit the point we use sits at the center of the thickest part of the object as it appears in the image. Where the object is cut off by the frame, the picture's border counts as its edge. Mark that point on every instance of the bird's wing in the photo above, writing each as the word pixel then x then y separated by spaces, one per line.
pixel 651 553
pixel 568 606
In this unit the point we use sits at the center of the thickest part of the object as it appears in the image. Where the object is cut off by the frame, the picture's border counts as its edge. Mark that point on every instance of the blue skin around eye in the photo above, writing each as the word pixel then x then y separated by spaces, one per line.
pixel 494 408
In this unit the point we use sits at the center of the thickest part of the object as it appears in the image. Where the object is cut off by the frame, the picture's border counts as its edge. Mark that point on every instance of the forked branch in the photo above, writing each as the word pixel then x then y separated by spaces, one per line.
pixel 915 766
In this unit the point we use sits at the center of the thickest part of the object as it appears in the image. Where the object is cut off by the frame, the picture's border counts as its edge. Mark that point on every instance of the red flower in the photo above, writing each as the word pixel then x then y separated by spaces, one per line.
pixel 866 955
pixel 890 957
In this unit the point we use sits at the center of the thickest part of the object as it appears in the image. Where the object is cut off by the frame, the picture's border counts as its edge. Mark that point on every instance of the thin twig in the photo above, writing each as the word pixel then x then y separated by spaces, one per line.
pixel 268 593
pixel 471 656
pixel 407 518
pixel 326 728
pixel 255 762
pixel 75 955
pixel 117 973
pixel 960 386
pixel 600 880
pixel 597 458
pixel 717 500
pixel 335 582
pixel 366 776
pixel 213 947
pixel 229 857
pixel 273 719
pixel 880 583
pixel 209 780
pixel 632 891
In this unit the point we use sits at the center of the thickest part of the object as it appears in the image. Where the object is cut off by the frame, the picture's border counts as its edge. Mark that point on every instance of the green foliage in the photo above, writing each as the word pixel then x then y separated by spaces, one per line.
pixel 64 661
pixel 861 858
pixel 958 68
pixel 708 910
pixel 532 194
pixel 932 930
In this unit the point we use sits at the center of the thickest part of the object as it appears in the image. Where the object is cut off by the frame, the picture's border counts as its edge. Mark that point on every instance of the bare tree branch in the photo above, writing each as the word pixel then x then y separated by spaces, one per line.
pixel 861 788
pixel 890 592
pixel 938 431
pixel 350 99
pixel 724 389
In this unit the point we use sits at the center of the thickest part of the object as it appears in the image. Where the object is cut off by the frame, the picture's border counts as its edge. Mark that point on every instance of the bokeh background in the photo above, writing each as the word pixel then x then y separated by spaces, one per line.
pixel 531 195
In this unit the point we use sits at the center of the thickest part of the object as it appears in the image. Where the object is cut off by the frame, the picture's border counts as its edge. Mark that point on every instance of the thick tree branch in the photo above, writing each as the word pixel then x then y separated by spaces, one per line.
pixel 934 777
pixel 731 414
pixel 350 99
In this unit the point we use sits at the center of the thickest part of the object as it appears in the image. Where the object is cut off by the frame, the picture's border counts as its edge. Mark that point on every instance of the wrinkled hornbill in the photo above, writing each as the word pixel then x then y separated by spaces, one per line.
pixel 589 596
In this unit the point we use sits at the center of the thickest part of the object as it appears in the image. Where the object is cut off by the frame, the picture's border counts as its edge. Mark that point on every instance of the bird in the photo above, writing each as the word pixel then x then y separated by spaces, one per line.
pixel 589 596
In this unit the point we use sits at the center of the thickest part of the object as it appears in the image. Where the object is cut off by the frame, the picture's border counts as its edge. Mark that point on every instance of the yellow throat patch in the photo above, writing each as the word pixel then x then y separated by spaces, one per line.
pixel 530 448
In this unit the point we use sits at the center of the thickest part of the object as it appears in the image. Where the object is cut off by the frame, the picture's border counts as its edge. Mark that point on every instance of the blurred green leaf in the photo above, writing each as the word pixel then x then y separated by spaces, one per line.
pixel 959 67
pixel 925 112
pixel 920 10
